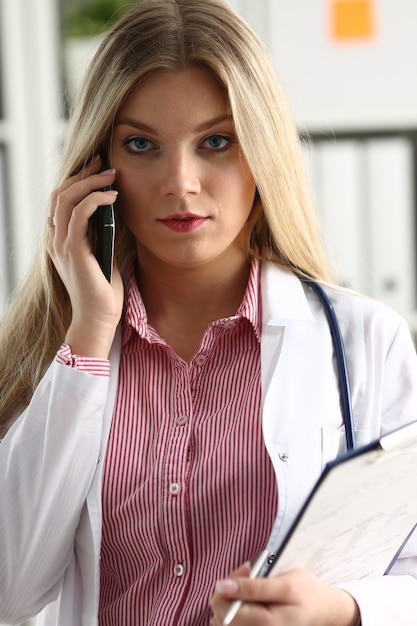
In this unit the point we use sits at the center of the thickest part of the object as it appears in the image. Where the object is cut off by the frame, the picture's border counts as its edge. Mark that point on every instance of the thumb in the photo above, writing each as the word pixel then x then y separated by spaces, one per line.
pixel 228 585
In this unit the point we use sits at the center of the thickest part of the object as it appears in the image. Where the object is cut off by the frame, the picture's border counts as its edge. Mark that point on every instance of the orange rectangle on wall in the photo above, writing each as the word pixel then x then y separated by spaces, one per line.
pixel 352 19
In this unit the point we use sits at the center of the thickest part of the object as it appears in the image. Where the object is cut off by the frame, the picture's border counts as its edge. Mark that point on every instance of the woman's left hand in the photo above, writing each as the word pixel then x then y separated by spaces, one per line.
pixel 297 598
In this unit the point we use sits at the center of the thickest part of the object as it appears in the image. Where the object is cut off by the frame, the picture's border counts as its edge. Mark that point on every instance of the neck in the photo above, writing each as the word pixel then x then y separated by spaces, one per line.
pixel 181 301
pixel 203 293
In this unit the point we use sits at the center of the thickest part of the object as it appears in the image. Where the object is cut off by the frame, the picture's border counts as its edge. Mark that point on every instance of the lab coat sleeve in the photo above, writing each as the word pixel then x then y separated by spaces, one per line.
pixel 392 599
pixel 47 463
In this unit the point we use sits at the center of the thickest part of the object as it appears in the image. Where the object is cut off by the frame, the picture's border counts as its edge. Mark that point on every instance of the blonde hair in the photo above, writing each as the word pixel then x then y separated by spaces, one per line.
pixel 170 35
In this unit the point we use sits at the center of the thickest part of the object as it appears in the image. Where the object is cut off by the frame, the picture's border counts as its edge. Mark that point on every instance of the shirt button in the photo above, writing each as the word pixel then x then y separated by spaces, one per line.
pixel 200 359
pixel 182 419
pixel 284 456
pixel 229 324
pixel 174 489
pixel 178 570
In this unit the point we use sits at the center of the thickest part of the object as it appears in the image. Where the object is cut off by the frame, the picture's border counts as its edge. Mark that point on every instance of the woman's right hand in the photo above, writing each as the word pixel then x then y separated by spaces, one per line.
pixel 96 304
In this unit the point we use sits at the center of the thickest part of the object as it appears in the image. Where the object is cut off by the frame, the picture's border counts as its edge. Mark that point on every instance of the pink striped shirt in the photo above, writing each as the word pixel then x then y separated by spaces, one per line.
pixel 91 365
pixel 189 491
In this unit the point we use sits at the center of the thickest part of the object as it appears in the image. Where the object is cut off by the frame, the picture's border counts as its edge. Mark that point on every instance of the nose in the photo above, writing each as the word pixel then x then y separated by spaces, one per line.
pixel 180 175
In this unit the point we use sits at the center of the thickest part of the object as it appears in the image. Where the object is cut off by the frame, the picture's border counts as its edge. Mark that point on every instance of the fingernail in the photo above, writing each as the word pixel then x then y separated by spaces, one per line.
pixel 106 172
pixel 227 586
pixel 112 192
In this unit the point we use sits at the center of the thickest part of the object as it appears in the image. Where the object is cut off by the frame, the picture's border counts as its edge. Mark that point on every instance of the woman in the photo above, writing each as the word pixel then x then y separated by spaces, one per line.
pixel 172 422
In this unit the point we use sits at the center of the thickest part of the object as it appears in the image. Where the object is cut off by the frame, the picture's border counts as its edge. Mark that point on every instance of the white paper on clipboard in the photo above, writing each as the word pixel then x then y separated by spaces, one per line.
pixel 358 516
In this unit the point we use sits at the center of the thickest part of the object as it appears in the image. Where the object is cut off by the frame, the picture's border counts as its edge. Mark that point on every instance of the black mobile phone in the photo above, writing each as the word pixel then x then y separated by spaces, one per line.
pixel 103 233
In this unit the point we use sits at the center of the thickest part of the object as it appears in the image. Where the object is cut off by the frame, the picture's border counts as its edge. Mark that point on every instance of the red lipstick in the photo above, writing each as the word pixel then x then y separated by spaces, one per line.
pixel 183 222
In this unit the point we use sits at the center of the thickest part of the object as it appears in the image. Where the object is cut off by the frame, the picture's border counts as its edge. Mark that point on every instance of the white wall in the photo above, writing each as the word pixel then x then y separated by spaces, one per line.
pixel 362 84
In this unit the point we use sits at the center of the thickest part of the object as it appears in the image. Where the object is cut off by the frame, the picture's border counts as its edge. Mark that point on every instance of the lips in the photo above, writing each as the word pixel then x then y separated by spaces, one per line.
pixel 183 223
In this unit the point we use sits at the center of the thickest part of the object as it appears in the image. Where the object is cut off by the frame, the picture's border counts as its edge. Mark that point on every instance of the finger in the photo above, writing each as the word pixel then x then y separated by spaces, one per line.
pixel 92 167
pixel 247 614
pixel 283 589
pixel 256 595
pixel 76 225
pixel 89 167
pixel 254 614
pixel 71 239
pixel 220 604
pixel 262 590
pixel 80 200
pixel 81 214
pixel 70 195
pixel 223 586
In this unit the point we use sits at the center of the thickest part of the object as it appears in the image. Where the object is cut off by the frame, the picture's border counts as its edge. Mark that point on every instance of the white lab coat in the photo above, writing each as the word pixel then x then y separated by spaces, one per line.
pixel 51 459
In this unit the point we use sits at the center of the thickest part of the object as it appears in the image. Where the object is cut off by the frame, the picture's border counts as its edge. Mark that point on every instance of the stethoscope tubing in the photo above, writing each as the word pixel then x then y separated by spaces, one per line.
pixel 337 338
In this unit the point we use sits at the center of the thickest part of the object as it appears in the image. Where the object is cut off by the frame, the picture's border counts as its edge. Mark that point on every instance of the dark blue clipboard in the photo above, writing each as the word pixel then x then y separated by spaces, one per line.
pixel 386 459
pixel 399 449
pixel 368 554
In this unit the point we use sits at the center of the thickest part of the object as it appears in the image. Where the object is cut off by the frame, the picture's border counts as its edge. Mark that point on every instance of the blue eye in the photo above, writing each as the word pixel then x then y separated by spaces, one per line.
pixel 138 144
pixel 217 142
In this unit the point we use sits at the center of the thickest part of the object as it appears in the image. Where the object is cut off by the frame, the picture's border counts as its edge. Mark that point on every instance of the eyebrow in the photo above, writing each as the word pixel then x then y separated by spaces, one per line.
pixel 128 121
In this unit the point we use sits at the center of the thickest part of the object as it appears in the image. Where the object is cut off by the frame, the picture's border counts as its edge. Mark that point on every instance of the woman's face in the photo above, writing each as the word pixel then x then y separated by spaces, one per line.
pixel 185 190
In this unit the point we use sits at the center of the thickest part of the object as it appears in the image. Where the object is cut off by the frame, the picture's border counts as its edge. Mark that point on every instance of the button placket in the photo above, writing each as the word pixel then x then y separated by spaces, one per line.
pixel 181 420
pixel 200 359
pixel 175 471
pixel 178 569
pixel 174 489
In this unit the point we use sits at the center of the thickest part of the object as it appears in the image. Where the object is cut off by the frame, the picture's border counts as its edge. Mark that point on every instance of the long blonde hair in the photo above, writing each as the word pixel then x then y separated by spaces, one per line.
pixel 169 35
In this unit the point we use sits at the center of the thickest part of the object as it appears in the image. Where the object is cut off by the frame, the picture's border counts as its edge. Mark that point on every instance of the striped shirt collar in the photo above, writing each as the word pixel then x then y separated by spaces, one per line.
pixel 135 318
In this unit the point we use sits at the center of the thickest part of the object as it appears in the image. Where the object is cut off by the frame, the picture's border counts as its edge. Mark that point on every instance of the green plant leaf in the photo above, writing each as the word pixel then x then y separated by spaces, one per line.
pixel 94 17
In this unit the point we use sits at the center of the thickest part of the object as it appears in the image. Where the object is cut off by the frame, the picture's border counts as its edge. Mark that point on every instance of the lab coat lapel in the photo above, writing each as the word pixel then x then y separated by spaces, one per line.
pixel 296 364
pixel 283 303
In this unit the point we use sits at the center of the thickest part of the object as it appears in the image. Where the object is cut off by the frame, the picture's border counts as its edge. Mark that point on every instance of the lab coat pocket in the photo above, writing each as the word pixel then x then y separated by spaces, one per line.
pixel 333 442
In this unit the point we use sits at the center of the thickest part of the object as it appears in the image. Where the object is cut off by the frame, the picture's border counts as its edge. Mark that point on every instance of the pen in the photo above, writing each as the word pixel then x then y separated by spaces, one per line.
pixel 235 606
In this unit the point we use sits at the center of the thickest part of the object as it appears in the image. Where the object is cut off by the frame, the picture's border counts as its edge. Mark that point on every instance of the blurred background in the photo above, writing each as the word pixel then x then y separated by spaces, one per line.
pixel 349 70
